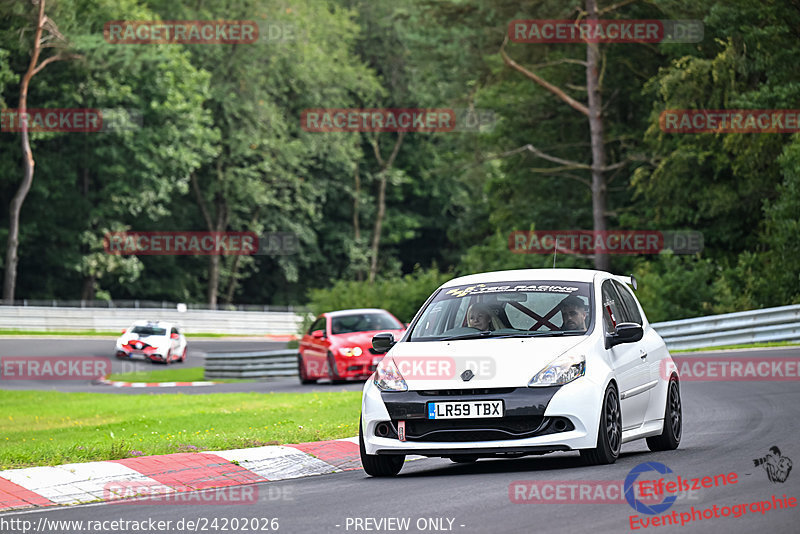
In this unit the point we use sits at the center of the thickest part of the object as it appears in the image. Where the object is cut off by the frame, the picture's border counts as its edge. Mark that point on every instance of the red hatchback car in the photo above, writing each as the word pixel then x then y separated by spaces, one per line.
pixel 339 344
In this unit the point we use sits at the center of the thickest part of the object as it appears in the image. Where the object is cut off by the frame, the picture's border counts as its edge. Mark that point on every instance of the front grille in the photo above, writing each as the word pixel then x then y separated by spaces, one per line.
pixel 459 392
pixel 460 430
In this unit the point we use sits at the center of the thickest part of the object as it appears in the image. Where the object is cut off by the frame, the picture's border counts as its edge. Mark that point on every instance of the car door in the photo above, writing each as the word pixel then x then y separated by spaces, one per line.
pixel 175 342
pixel 654 351
pixel 626 359
pixel 315 350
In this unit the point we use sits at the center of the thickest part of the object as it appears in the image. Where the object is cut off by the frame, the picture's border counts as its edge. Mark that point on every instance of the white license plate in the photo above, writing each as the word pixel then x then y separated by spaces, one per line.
pixel 465 409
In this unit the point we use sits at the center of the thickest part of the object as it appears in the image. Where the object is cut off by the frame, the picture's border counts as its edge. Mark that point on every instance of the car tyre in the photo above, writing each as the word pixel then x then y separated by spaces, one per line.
pixel 301 371
pixel 670 436
pixel 376 465
pixel 183 356
pixel 333 370
pixel 609 432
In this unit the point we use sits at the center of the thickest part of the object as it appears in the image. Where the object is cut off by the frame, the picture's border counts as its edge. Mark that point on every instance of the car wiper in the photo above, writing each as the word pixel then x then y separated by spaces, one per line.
pixel 552 333
pixel 473 335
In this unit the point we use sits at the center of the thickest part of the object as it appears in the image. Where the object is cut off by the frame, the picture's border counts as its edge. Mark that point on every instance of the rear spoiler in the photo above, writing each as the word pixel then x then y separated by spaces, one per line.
pixel 630 280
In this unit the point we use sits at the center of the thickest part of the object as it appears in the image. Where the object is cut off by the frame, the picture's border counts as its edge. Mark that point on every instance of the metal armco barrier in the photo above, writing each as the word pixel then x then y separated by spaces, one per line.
pixel 755 326
pixel 45 319
pixel 274 363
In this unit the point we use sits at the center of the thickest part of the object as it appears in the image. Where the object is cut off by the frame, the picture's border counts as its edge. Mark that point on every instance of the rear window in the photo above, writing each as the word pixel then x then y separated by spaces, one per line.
pixel 529 307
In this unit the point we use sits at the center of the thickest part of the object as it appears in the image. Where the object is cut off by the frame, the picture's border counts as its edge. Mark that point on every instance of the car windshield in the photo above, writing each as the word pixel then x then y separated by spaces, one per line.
pixel 506 309
pixel 149 331
pixel 364 322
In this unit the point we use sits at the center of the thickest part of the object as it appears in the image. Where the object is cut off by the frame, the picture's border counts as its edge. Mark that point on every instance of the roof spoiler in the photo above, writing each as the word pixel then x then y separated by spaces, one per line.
pixel 630 280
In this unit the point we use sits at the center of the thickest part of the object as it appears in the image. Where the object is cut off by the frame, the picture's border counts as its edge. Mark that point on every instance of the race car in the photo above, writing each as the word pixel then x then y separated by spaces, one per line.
pixel 156 341
pixel 338 344
pixel 514 363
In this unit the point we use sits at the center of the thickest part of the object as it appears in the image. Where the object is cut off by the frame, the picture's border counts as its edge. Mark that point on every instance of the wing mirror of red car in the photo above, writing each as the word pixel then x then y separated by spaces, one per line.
pixel 382 342
pixel 174 335
pixel 318 334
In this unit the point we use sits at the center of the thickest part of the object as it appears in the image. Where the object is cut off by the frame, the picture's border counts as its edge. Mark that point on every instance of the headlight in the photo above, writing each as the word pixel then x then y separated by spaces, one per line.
pixel 350 351
pixel 562 371
pixel 388 377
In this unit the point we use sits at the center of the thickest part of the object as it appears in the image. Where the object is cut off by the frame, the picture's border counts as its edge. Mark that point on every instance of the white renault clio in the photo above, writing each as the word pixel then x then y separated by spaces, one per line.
pixel 513 363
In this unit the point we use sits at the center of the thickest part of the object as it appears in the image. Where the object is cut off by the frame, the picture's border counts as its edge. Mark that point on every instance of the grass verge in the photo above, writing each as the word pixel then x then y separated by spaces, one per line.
pixel 742 346
pixel 51 428
pixel 186 374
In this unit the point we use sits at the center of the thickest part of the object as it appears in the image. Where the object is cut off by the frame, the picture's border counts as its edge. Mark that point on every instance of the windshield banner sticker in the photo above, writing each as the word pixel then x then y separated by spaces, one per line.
pixel 483 289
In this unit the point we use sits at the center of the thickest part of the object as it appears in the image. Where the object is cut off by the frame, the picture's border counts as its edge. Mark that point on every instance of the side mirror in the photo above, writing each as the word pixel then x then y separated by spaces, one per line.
pixel 123 332
pixel 174 335
pixel 625 333
pixel 318 334
pixel 382 342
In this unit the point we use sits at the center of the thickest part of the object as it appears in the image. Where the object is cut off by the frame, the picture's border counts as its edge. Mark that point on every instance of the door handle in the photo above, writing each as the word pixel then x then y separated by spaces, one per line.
pixel 643 355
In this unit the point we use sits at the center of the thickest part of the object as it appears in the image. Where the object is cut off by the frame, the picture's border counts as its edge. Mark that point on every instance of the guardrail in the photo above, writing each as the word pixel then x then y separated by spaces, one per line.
pixel 771 324
pixel 755 326
pixel 47 319
pixel 265 364
pixel 138 303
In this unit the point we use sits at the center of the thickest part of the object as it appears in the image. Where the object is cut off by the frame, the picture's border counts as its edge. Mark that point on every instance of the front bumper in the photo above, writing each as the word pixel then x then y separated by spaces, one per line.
pixel 359 367
pixel 536 421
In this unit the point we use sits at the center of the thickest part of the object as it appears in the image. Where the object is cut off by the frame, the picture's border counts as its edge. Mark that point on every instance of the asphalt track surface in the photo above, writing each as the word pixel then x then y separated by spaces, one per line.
pixel 104 348
pixel 726 426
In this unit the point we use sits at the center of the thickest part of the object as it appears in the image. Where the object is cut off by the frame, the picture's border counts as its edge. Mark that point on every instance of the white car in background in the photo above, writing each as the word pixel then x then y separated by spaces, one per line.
pixel 513 363
pixel 156 341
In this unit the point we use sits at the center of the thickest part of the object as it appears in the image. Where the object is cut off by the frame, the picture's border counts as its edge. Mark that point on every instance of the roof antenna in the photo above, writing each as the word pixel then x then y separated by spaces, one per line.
pixel 555 251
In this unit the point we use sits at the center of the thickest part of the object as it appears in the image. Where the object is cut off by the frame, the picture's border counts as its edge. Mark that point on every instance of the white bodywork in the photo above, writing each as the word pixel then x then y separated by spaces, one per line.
pixel 165 346
pixel 636 368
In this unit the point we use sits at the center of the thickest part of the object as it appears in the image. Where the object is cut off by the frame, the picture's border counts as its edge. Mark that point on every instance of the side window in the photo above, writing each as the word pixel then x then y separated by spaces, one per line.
pixel 319 324
pixel 173 331
pixel 631 310
pixel 612 314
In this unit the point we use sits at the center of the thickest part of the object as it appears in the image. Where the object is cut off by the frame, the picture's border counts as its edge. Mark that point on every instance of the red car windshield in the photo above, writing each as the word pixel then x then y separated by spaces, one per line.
pixel 364 322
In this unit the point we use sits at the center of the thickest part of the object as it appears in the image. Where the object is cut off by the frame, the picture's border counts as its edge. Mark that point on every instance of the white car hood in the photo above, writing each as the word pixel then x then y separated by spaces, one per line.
pixel 496 363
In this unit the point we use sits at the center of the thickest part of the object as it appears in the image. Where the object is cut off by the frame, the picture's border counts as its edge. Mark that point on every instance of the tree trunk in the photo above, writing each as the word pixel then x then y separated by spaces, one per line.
pixel 15 208
pixel 219 226
pixel 232 282
pixel 376 233
pixel 385 166
pixel 213 280
pixel 10 278
pixel 356 222
pixel 87 293
pixel 596 132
